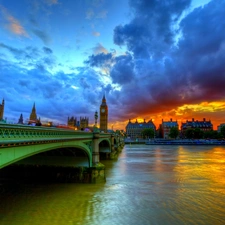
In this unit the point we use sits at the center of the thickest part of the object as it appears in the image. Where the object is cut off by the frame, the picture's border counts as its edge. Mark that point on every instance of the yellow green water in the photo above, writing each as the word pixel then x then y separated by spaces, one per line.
pixel 146 185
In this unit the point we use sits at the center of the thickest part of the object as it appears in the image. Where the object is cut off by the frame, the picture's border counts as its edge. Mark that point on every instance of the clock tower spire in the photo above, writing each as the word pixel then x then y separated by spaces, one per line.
pixel 104 115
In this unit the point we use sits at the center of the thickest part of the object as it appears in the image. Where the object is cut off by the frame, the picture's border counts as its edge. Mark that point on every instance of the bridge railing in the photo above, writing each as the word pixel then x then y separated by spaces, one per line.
pixel 18 134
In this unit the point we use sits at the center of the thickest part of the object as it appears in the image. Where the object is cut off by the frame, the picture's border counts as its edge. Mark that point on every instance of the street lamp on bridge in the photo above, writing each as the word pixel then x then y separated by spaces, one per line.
pixel 96 118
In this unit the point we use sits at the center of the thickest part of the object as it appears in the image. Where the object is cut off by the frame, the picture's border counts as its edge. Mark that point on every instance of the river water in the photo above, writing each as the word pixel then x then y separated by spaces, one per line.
pixel 145 185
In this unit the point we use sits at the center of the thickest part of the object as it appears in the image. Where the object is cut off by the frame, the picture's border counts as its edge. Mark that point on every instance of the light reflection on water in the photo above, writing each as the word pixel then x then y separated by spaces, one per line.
pixel 146 185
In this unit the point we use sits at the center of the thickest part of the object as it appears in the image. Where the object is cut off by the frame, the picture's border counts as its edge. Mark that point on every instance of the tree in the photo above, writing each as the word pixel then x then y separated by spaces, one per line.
pixel 189 133
pixel 148 133
pixel 174 132
pixel 212 134
pixel 222 131
pixel 198 133
pixel 215 134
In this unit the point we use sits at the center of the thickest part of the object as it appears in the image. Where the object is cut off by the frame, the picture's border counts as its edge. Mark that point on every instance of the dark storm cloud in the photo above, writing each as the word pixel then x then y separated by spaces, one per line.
pixel 168 70
pixel 149 33
pixel 201 51
pixel 123 71
pixel 99 60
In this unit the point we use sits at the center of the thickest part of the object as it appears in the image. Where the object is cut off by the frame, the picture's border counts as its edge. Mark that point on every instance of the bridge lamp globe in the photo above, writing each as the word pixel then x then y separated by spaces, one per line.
pixel 96 118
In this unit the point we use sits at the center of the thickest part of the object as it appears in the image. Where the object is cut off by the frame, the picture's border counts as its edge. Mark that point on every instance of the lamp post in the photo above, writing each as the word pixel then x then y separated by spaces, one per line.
pixel 96 118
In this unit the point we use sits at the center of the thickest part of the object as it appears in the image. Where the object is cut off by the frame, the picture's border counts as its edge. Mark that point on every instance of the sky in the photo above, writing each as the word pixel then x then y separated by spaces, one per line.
pixel 152 59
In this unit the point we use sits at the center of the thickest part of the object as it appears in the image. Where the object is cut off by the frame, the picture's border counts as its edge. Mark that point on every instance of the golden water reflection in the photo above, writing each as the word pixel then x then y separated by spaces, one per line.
pixel 146 185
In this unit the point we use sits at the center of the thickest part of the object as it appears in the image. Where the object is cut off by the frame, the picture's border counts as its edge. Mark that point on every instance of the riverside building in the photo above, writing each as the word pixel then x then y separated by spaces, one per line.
pixel 203 125
pixel 165 128
pixel 134 130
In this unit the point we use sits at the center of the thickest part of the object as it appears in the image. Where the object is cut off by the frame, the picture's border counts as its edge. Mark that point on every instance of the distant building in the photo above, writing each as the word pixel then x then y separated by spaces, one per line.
pixel 72 122
pixel 20 121
pixel 33 120
pixel 220 126
pixel 2 109
pixel 33 115
pixel 166 126
pixel 83 123
pixel 202 125
pixel 104 115
pixel 79 125
pixel 134 130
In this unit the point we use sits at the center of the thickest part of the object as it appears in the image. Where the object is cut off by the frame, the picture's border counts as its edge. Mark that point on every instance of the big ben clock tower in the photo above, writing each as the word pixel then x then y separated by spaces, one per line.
pixel 104 115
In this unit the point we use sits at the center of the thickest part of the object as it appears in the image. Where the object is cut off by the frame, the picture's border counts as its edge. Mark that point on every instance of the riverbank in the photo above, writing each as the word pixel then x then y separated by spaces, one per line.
pixel 175 142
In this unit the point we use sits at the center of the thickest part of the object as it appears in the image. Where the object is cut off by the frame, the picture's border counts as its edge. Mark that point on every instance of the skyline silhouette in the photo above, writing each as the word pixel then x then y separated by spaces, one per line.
pixel 152 59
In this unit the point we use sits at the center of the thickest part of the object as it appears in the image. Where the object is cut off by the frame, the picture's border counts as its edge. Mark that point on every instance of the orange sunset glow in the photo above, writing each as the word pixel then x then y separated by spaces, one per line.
pixel 64 56
pixel 214 111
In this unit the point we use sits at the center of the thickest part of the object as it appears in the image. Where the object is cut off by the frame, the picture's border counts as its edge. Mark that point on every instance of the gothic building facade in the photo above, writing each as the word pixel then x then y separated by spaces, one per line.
pixel 72 122
pixel 20 121
pixel 83 122
pixel 80 125
pixel 2 109
pixel 33 115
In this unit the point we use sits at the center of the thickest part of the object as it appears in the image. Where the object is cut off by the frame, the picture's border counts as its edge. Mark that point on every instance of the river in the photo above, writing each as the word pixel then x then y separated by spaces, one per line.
pixel 145 185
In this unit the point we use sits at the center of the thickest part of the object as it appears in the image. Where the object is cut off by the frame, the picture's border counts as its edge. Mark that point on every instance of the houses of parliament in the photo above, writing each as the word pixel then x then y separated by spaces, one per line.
pixel 72 122
pixel 84 121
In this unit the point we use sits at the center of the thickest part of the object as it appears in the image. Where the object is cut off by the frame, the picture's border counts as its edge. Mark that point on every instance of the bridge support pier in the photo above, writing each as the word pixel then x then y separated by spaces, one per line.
pixel 97 169
pixel 95 149
pixel 113 154
pixel 112 143
pixel 98 174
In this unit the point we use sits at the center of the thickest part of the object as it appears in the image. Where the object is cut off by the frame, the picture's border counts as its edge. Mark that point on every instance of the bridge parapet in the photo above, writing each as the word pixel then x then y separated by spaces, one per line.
pixel 18 142
pixel 11 134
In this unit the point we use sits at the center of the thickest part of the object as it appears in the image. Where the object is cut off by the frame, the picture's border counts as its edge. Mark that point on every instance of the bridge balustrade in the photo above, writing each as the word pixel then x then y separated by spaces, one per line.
pixel 11 134
pixel 20 141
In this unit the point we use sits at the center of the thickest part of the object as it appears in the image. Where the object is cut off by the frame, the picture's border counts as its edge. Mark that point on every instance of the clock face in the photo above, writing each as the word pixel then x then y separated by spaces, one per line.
pixel 102 110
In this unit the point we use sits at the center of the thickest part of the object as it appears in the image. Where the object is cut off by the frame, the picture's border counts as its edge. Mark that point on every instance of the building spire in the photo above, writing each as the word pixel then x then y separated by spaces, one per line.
pixel 103 99
pixel 33 115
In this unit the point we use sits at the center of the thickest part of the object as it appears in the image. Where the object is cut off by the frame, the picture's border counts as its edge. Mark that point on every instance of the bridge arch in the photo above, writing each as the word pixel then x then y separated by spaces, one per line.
pixel 104 145
pixel 14 154
pixel 19 142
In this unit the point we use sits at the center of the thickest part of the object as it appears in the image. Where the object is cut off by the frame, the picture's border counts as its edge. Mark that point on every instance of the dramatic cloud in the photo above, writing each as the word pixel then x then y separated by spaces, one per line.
pixel 165 73
pixel 99 49
pixel 149 34
pixel 50 91
pixel 123 71
pixel 100 60
pixel 156 59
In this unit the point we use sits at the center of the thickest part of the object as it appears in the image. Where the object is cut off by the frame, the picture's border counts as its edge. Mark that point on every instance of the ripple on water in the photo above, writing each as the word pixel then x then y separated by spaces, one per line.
pixel 161 185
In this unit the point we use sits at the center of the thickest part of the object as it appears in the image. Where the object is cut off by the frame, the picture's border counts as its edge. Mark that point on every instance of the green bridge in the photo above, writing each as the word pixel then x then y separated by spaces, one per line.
pixel 28 145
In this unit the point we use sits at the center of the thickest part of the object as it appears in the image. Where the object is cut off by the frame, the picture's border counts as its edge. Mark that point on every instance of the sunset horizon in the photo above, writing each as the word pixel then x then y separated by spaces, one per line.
pixel 151 59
